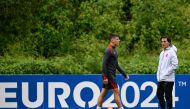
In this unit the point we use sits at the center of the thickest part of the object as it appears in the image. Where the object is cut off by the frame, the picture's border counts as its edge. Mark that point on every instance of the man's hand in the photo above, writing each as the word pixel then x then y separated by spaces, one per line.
pixel 127 77
pixel 105 81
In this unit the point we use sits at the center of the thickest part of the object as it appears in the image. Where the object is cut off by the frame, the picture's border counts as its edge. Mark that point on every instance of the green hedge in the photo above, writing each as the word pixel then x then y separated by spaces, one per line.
pixel 72 65
pixel 28 67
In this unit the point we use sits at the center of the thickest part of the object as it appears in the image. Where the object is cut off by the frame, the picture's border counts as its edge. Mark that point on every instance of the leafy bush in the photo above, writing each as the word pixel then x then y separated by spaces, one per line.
pixel 12 66
pixel 87 64
pixel 70 36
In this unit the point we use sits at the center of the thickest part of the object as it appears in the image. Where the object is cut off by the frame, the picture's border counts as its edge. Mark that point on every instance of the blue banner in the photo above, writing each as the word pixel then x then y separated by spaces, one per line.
pixel 82 91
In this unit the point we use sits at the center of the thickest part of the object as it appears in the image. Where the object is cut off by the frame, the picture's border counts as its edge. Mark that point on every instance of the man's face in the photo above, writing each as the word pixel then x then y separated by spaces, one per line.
pixel 165 43
pixel 115 41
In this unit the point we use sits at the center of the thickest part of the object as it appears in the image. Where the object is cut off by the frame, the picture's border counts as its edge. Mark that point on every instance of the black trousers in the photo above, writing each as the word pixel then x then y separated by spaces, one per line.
pixel 164 92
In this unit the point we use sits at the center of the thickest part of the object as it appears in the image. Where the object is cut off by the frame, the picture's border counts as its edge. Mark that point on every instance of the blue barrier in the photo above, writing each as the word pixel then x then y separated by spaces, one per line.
pixel 82 91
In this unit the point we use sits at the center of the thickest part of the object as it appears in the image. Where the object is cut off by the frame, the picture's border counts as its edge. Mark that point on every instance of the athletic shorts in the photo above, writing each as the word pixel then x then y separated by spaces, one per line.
pixel 110 85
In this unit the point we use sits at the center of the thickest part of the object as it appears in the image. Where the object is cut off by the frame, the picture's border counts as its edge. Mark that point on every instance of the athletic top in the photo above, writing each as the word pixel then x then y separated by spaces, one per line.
pixel 110 64
pixel 168 63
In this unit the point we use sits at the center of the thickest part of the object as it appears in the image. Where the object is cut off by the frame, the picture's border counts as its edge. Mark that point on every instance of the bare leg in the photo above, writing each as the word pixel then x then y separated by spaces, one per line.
pixel 101 97
pixel 116 97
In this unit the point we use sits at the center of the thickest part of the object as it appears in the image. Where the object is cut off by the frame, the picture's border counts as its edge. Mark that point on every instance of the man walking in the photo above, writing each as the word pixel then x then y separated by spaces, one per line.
pixel 168 62
pixel 110 64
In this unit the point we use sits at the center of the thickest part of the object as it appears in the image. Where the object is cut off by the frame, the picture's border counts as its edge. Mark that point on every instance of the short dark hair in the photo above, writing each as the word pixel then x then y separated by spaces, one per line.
pixel 167 37
pixel 113 35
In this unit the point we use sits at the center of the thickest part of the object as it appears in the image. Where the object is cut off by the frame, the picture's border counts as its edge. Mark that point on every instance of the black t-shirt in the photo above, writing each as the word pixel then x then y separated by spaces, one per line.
pixel 110 63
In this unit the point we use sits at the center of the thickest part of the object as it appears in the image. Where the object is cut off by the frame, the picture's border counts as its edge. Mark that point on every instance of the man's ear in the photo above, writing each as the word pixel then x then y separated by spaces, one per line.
pixel 111 40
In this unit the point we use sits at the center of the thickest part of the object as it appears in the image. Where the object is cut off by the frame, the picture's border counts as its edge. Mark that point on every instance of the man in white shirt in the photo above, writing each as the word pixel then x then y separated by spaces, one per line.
pixel 168 62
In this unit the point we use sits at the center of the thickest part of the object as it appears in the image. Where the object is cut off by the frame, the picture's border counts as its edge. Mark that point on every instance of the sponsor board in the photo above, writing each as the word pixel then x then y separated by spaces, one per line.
pixel 82 91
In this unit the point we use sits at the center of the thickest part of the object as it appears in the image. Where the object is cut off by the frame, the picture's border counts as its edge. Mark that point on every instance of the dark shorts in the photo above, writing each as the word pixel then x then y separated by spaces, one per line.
pixel 110 85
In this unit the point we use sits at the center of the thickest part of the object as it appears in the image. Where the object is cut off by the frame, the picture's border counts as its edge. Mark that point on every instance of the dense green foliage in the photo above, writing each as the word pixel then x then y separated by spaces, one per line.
pixel 70 36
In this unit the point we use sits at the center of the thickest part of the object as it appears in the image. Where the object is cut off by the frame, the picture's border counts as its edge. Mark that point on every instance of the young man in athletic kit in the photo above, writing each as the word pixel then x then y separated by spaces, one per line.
pixel 110 64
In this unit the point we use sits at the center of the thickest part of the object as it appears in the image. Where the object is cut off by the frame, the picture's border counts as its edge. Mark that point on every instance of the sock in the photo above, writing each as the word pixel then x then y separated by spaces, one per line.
pixel 98 107
pixel 121 108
